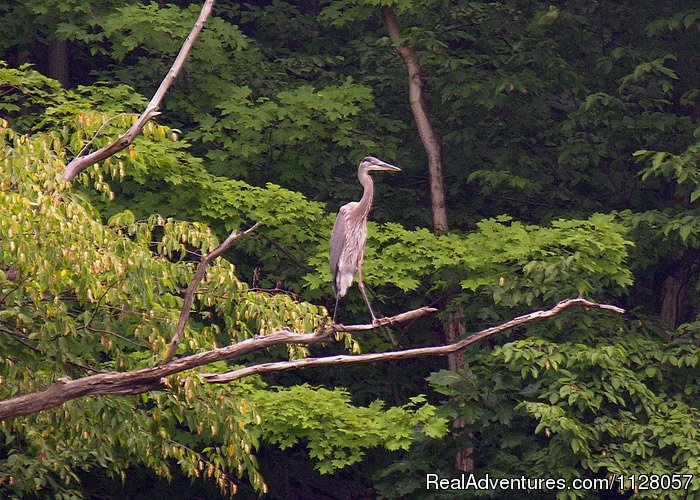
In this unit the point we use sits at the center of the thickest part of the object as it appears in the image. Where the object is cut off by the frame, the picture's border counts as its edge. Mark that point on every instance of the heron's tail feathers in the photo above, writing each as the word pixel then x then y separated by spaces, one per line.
pixel 343 282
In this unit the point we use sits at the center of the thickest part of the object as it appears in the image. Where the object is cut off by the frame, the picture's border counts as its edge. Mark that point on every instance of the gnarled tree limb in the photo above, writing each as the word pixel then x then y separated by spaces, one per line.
pixel 153 378
pixel 442 350
pixel 80 163
pixel 198 276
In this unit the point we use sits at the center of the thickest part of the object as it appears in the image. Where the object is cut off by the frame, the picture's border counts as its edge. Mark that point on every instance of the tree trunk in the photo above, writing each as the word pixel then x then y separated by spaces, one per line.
pixel 676 287
pixel 431 144
pixel 59 63
pixel 454 328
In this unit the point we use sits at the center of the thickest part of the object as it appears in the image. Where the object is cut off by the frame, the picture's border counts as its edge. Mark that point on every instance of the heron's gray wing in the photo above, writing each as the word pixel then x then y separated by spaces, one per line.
pixel 338 242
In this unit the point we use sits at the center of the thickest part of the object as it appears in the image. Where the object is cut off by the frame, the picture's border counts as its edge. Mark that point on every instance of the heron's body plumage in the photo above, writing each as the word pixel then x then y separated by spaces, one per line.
pixel 346 262
pixel 349 235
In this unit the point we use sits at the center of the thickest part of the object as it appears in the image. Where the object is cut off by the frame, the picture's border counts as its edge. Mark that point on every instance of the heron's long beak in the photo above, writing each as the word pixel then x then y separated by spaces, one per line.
pixel 380 165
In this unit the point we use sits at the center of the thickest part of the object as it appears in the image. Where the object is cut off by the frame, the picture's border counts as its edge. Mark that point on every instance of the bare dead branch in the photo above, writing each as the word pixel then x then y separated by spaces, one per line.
pixel 80 163
pixel 198 277
pixel 153 378
pixel 443 350
pixel 398 318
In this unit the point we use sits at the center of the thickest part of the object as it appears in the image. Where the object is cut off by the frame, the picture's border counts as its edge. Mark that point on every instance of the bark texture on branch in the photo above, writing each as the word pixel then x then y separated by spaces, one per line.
pixel 153 378
pixel 80 163
pixel 147 379
pixel 454 329
pixel 442 350
pixel 431 144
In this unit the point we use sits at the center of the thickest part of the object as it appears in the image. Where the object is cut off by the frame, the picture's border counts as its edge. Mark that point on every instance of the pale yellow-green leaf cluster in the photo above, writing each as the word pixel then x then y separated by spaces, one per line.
pixel 79 295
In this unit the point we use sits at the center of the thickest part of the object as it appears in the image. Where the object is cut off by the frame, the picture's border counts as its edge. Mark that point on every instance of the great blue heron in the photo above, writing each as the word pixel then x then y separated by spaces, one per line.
pixel 349 235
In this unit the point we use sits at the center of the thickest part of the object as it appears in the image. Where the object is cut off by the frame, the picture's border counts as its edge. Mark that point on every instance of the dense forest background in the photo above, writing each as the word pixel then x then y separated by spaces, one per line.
pixel 570 145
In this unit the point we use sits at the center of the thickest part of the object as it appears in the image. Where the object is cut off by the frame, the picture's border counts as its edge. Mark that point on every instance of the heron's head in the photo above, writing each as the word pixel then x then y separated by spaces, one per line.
pixel 371 163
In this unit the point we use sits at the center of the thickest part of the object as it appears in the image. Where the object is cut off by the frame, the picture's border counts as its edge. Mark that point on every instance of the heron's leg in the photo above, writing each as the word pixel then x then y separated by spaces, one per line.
pixel 361 285
pixel 335 310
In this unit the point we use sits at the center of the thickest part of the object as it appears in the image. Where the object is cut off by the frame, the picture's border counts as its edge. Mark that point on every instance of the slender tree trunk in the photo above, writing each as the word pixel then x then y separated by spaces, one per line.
pixel 455 328
pixel 433 151
pixel 431 144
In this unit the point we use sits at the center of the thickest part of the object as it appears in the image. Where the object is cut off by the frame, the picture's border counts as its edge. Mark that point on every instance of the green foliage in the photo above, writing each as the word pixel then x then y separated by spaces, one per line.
pixel 512 262
pixel 551 114
pixel 590 396
pixel 337 433
pixel 80 295
pixel 49 18
pixel 682 20
pixel 89 117
pixel 23 88
pixel 251 120
pixel 621 408
pixel 660 231
pixel 152 29
pixel 683 167
pixel 249 128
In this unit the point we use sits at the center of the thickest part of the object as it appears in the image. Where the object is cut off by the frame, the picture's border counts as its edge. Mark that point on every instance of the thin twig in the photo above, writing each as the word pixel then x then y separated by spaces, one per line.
pixel 198 277
pixel 119 336
pixel 286 252
pixel 21 340
pixel 112 118
pixel 13 289
pixel 97 304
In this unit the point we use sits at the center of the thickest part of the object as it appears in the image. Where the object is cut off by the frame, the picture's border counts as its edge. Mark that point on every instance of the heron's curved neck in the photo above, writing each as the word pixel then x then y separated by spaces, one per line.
pixel 366 201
